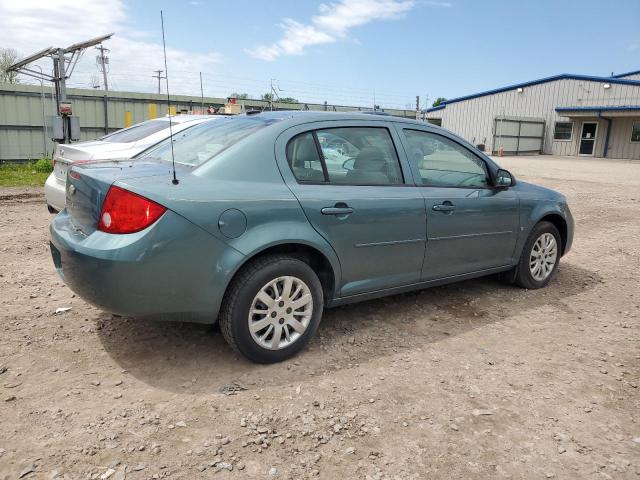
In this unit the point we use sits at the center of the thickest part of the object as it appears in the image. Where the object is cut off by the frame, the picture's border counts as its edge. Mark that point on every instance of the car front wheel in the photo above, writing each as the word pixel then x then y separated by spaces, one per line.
pixel 540 257
pixel 272 308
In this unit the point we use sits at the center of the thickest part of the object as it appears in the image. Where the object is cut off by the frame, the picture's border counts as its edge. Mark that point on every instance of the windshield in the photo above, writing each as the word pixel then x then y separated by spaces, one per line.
pixel 201 143
pixel 137 132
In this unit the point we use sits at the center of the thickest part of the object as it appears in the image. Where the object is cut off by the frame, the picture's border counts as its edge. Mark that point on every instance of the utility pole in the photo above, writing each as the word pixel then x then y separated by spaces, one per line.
pixel 65 126
pixel 60 82
pixel 274 94
pixel 201 95
pixel 271 96
pixel 103 61
pixel 159 76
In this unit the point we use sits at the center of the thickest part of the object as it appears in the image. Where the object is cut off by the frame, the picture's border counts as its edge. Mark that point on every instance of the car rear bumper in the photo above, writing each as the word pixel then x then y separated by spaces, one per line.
pixel 55 193
pixel 171 269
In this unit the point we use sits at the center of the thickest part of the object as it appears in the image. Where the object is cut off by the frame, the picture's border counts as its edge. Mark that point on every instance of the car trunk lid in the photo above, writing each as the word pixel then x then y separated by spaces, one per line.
pixel 66 155
pixel 88 184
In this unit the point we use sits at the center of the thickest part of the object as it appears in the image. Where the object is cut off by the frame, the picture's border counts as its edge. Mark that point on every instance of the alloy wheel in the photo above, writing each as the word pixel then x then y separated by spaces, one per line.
pixel 280 312
pixel 543 257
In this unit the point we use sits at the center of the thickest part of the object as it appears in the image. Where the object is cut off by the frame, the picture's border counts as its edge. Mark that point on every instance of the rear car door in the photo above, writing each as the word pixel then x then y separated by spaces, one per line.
pixel 357 194
pixel 471 225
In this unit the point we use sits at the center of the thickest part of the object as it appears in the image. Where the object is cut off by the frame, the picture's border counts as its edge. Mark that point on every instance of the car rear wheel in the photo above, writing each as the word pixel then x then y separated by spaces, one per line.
pixel 272 308
pixel 540 257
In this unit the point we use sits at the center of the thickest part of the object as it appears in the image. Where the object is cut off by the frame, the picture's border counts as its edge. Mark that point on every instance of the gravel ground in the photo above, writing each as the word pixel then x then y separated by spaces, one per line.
pixel 472 381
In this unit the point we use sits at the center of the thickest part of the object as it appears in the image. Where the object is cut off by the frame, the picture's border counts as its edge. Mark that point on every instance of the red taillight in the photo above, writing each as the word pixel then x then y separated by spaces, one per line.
pixel 127 212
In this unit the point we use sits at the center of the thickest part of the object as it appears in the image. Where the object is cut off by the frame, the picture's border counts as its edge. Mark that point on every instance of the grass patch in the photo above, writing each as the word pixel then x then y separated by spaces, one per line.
pixel 25 174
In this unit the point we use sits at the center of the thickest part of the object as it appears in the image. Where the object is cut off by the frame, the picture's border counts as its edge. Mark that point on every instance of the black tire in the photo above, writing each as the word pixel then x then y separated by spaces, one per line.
pixel 523 276
pixel 234 313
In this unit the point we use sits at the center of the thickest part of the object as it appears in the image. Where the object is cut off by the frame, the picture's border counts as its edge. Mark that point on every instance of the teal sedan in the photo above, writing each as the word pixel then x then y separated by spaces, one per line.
pixel 259 234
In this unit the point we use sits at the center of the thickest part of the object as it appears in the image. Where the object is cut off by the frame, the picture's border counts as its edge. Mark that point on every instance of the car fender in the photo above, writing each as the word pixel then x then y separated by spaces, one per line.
pixel 268 235
pixel 531 212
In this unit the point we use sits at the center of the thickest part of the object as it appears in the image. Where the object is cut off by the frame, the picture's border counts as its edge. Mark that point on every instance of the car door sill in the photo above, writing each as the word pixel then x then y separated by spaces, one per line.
pixel 414 286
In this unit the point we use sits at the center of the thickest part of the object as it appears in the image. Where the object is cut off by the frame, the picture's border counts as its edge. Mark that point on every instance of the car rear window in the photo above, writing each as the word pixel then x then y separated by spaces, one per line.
pixel 137 132
pixel 196 145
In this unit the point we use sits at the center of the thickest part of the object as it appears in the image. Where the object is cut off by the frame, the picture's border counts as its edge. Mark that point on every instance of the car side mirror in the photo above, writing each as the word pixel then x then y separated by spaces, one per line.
pixel 348 164
pixel 504 179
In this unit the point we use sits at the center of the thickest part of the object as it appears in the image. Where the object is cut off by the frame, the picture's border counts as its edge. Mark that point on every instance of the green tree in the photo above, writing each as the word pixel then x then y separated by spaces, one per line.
pixel 439 101
pixel 268 97
pixel 239 96
pixel 8 56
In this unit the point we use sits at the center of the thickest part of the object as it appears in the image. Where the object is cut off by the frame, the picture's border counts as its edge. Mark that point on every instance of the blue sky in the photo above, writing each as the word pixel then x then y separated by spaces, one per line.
pixel 346 50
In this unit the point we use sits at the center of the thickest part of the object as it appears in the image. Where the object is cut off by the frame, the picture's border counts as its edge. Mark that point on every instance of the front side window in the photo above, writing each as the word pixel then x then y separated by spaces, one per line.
pixel 445 163
pixel 563 131
pixel 359 156
pixel 635 132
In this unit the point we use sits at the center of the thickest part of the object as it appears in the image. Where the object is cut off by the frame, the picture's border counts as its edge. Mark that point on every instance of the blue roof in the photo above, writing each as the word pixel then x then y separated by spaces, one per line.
pixel 625 74
pixel 598 108
pixel 562 76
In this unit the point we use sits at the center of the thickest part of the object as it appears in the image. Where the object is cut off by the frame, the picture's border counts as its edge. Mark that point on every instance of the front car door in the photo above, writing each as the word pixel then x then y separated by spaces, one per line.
pixel 471 226
pixel 357 193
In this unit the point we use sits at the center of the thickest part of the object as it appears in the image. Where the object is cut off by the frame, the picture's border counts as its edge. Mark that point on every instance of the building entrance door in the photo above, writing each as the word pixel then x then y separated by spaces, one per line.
pixel 588 138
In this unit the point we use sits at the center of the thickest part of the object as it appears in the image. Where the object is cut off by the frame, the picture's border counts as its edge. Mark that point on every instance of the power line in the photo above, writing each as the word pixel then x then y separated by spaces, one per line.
pixel 221 85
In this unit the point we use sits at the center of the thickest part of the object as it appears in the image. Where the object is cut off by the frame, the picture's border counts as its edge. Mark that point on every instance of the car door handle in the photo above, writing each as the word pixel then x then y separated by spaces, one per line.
pixel 337 211
pixel 444 207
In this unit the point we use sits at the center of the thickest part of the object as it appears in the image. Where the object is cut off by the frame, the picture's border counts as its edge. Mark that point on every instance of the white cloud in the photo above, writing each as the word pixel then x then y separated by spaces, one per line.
pixel 331 24
pixel 436 4
pixel 31 25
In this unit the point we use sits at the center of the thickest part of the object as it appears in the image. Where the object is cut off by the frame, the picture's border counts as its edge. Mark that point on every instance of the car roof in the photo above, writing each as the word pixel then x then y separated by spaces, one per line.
pixel 183 118
pixel 303 116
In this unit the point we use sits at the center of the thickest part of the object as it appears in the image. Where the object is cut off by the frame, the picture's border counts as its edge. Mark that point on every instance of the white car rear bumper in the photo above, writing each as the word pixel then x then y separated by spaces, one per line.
pixel 55 193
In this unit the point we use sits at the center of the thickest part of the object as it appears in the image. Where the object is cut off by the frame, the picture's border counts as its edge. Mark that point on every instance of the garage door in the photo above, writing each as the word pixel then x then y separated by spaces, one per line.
pixel 518 135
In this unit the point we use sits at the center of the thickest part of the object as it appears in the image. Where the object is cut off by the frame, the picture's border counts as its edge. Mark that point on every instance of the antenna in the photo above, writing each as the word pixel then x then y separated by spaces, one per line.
pixel 166 78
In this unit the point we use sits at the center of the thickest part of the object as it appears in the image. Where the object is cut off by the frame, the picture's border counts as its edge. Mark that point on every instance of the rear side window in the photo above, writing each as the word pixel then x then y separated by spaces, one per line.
pixel 137 132
pixel 200 143
pixel 345 156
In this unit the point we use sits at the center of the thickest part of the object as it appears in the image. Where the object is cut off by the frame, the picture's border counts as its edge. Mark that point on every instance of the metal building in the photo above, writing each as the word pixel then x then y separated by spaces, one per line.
pixel 560 115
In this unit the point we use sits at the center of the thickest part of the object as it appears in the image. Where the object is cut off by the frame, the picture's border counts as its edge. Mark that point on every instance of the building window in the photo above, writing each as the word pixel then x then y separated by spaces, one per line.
pixel 563 131
pixel 635 132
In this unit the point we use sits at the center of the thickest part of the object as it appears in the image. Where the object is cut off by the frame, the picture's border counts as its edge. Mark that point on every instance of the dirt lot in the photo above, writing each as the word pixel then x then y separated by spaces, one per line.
pixel 472 381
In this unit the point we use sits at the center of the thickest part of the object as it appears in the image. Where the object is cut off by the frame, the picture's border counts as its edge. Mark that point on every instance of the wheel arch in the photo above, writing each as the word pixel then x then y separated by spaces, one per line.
pixel 560 223
pixel 328 271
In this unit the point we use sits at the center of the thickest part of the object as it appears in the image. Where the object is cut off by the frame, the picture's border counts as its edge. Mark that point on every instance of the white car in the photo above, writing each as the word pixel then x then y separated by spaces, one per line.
pixel 123 144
